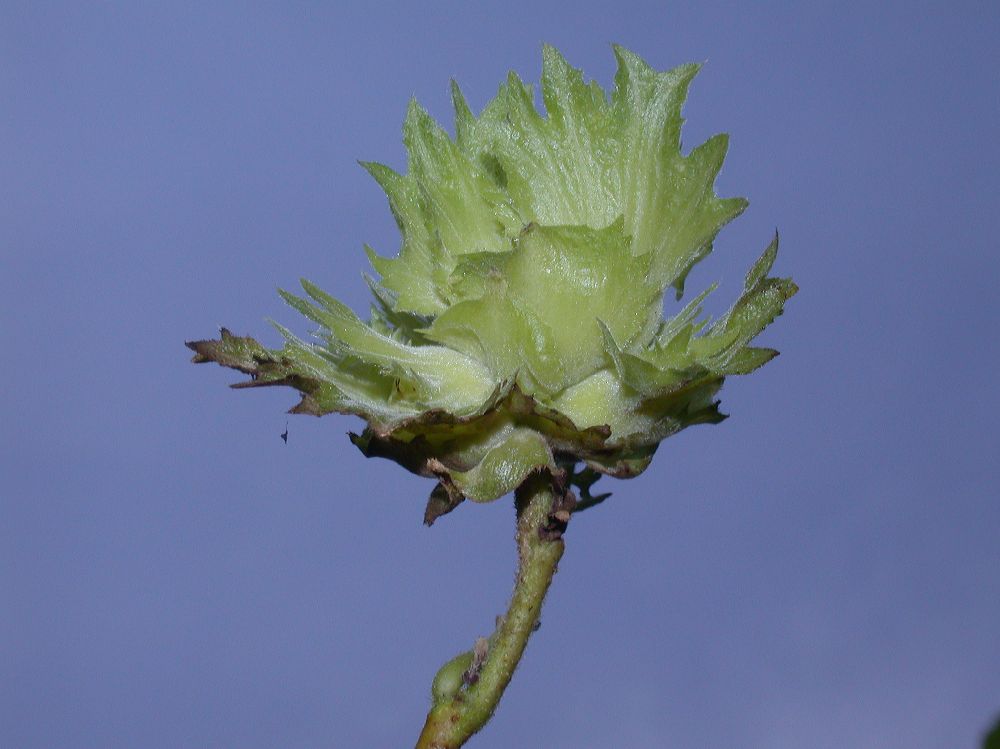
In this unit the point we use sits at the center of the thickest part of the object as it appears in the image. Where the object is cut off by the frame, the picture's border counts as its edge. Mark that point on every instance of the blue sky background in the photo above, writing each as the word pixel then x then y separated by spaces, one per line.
pixel 821 570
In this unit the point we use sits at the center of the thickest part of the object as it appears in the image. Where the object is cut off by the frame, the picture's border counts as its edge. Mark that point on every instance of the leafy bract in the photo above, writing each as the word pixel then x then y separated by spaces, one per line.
pixel 520 327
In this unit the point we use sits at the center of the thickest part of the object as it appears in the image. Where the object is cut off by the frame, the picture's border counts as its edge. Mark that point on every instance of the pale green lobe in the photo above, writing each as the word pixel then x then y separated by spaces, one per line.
pixel 447 206
pixel 512 342
pixel 591 160
pixel 669 202
pixel 724 346
pixel 641 376
pixel 561 169
pixel 598 399
pixel 521 325
pixel 675 333
pixel 759 270
pixel 542 310
pixel 573 276
pixel 414 276
pixel 387 319
pixel 427 376
pixel 505 465
pixel 466 210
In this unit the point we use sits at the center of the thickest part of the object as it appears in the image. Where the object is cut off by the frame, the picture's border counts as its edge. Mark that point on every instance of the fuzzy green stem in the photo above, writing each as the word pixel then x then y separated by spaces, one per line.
pixel 453 720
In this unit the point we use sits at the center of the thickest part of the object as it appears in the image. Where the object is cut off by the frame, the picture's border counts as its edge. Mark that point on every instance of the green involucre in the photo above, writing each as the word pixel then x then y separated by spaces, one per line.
pixel 521 324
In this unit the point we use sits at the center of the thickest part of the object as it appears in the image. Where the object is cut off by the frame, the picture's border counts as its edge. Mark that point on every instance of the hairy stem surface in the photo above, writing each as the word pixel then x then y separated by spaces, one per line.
pixel 540 522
